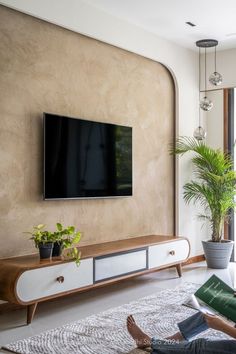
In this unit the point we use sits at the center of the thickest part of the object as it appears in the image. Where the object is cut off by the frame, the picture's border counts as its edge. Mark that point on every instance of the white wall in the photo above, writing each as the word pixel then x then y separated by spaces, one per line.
pixel 226 65
pixel 214 120
pixel 183 64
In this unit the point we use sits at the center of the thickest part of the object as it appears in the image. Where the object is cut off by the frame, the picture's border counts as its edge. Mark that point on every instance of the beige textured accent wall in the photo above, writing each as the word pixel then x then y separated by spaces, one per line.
pixel 47 68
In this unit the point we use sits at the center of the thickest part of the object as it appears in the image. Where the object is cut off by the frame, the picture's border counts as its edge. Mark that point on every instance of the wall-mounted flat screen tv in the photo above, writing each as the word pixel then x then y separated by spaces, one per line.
pixel 86 159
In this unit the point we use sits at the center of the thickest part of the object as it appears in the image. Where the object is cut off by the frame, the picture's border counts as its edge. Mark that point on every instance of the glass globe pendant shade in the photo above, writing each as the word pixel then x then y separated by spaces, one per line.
pixel 215 78
pixel 206 104
pixel 199 133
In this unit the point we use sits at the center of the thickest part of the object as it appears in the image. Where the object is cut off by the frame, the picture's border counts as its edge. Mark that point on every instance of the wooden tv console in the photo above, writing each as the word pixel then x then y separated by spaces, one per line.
pixel 27 281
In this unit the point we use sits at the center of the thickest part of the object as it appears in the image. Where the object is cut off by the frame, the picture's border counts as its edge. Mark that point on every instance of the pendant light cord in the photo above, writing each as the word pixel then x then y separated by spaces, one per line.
pixel 215 59
pixel 199 85
pixel 205 70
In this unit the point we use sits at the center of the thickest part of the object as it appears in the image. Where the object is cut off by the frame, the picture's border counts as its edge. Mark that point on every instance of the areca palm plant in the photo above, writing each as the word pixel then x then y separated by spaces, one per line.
pixel 214 186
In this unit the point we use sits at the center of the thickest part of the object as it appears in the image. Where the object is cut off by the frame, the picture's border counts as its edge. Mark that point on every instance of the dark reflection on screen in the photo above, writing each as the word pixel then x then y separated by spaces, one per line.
pixel 85 159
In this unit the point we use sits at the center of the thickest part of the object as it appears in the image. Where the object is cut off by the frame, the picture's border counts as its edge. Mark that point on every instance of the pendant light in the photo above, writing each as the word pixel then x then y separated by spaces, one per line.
pixel 215 78
pixel 199 133
pixel 205 103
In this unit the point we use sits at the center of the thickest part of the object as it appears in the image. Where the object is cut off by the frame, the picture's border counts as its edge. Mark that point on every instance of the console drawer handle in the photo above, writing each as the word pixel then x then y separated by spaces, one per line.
pixel 172 253
pixel 60 279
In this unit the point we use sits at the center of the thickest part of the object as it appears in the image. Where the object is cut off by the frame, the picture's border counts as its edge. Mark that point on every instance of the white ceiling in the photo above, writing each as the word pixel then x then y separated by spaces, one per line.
pixel 213 18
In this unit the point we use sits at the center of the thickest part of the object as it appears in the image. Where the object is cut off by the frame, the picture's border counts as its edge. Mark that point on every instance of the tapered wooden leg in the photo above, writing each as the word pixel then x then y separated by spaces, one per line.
pixel 179 270
pixel 30 312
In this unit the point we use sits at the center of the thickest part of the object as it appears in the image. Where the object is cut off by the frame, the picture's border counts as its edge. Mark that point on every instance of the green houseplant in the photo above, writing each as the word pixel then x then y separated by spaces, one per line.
pixel 51 244
pixel 214 188
pixel 43 240
pixel 66 238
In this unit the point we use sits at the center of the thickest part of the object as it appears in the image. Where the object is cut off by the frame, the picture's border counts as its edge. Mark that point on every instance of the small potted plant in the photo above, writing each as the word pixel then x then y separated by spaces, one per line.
pixel 66 238
pixel 43 240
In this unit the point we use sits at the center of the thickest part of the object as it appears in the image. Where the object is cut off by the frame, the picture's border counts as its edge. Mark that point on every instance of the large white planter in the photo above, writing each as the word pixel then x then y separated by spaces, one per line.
pixel 218 253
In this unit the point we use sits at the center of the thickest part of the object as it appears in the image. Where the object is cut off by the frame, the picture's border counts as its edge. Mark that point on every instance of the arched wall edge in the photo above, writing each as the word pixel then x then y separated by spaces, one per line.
pixel 181 63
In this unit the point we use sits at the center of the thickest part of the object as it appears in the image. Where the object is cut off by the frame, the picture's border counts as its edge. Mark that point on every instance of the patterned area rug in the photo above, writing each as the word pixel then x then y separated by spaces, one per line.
pixel 106 332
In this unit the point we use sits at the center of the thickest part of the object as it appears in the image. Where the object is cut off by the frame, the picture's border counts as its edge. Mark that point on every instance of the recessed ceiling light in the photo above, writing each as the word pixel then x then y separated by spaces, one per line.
pixel 190 24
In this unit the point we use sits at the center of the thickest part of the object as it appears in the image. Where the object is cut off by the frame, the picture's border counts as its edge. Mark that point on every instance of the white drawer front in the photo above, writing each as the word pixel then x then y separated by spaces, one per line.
pixel 41 282
pixel 167 253
pixel 121 264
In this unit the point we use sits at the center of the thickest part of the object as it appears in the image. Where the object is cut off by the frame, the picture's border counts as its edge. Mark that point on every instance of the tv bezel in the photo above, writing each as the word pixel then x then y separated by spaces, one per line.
pixel 83 198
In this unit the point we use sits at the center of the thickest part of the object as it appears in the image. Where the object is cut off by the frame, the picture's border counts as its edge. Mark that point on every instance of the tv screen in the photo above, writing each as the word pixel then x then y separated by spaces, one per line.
pixel 86 159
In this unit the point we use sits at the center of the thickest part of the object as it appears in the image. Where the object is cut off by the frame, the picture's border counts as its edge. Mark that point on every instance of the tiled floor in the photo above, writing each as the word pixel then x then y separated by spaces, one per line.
pixel 69 309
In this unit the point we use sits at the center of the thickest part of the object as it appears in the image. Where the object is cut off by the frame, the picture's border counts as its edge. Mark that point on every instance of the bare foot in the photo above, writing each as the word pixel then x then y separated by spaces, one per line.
pixel 142 340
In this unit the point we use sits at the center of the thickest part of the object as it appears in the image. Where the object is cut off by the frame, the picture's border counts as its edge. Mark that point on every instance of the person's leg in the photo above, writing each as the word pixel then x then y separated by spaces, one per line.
pixel 177 337
pixel 142 339
pixel 193 325
pixel 168 346
pixel 200 345
pixel 188 328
